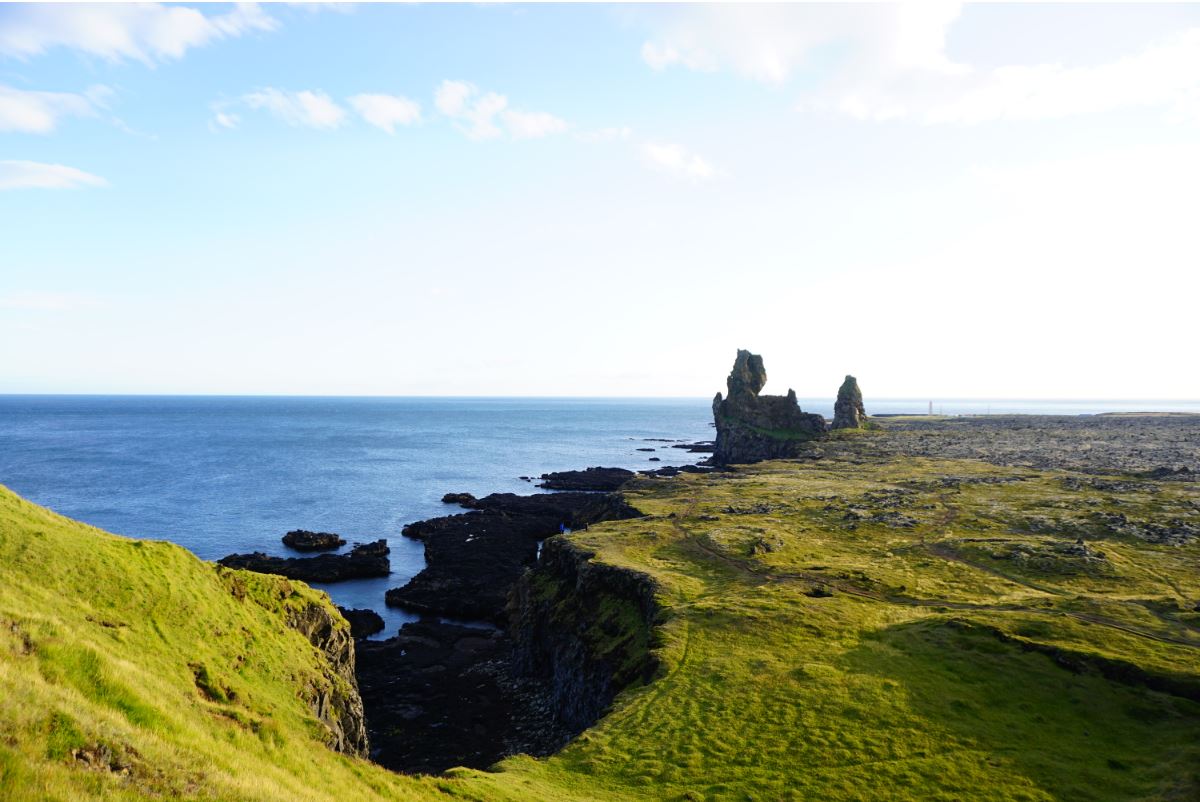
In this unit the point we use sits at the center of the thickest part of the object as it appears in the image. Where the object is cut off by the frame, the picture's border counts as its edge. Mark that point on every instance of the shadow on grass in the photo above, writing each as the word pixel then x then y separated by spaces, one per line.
pixel 1074 734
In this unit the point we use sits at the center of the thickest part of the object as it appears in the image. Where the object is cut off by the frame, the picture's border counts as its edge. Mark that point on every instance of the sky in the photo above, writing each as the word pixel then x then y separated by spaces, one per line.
pixel 993 201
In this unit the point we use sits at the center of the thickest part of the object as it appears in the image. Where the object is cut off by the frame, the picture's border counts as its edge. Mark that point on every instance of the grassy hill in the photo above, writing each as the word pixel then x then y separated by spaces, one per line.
pixel 888 629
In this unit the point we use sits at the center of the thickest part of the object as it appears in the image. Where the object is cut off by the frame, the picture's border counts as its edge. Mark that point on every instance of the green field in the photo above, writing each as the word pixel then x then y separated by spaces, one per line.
pixel 841 630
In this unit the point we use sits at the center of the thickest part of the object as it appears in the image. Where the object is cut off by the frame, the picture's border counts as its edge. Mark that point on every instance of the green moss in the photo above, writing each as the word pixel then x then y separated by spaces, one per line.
pixel 904 659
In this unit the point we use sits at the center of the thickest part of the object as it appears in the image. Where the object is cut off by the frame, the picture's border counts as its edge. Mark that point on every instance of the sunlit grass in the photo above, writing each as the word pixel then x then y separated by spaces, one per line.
pixel 801 658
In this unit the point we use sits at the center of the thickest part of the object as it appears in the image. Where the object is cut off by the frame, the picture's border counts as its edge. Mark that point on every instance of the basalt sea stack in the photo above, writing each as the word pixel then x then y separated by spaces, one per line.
pixel 753 427
pixel 848 412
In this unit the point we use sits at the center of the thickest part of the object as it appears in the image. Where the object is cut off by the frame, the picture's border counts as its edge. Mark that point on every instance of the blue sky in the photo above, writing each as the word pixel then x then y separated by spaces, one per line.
pixel 991 201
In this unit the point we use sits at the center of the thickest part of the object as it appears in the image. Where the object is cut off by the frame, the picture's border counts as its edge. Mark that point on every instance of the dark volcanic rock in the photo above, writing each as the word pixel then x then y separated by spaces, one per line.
pixel 751 427
pixel 473 559
pixel 303 540
pixel 462 499
pixel 364 560
pixel 584 629
pixel 697 448
pixel 441 695
pixel 336 701
pixel 606 479
pixel 429 705
pixel 675 470
pixel 848 412
pixel 363 623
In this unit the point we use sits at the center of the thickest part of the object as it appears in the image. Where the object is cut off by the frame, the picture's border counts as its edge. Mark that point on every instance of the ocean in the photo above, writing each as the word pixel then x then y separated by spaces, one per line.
pixel 219 475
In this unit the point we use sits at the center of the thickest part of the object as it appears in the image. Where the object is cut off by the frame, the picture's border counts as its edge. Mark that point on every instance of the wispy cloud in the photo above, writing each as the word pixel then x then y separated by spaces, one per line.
pixel 486 115
pixel 386 111
pixel 145 32
pixel 33 112
pixel 532 124
pixel 306 108
pixel 1165 75
pixel 770 42
pixel 38 175
pixel 473 112
pixel 893 64
pixel 677 160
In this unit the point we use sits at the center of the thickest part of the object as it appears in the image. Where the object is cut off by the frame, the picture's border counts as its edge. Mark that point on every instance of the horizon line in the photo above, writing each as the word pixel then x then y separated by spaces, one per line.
pixel 921 399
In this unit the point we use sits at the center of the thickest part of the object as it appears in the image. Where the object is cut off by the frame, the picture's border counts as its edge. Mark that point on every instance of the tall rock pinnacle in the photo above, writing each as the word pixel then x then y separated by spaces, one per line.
pixel 753 427
pixel 848 412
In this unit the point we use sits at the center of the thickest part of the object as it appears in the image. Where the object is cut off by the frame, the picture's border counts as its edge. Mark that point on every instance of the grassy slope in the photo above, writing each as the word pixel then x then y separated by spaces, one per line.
pixel 896 686
pixel 101 642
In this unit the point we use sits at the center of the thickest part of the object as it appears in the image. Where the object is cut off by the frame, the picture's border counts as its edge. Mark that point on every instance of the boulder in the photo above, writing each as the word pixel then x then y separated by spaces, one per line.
pixel 362 622
pixel 303 540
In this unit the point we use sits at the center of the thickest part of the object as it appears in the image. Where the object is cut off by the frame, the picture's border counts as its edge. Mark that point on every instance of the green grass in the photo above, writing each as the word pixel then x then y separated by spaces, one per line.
pixel 925 668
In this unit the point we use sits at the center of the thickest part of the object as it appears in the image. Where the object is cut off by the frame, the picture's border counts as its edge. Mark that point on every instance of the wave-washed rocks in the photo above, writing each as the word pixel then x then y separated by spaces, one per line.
pixel 363 623
pixel 473 559
pixel 441 694
pixel 363 561
pixel 304 540
pixel 603 479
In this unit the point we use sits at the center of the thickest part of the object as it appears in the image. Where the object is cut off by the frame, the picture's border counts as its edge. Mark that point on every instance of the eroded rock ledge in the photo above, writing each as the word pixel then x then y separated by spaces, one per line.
pixel 334 697
pixel 441 694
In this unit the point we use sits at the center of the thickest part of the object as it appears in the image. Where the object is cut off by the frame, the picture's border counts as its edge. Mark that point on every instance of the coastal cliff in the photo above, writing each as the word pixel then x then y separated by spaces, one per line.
pixel 584 629
pixel 334 699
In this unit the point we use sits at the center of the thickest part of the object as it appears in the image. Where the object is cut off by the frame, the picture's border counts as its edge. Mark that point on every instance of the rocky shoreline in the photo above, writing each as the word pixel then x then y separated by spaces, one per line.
pixel 441 694
pixel 524 642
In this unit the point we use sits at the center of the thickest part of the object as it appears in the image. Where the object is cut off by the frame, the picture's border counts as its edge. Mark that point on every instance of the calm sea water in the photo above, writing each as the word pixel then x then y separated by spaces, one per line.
pixel 220 475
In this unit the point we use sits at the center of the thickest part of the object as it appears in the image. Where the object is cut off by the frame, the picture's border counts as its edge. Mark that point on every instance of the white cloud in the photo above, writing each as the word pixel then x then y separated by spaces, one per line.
pixel 487 116
pixel 386 111
pixel 677 160
pixel 224 119
pixel 146 32
pixel 310 109
pixel 1166 75
pixel 532 124
pixel 770 42
pixel 892 64
pixel 39 112
pixel 474 113
pixel 37 175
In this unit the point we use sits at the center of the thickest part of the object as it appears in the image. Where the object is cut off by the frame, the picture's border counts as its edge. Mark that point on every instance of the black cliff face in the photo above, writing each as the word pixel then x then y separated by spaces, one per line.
pixel 440 694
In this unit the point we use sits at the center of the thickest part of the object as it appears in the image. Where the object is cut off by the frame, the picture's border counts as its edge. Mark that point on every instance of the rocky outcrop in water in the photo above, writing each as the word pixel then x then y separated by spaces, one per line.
pixel 848 412
pixel 363 623
pixel 303 540
pixel 607 479
pixel 333 697
pixel 473 559
pixel 753 427
pixel 364 560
